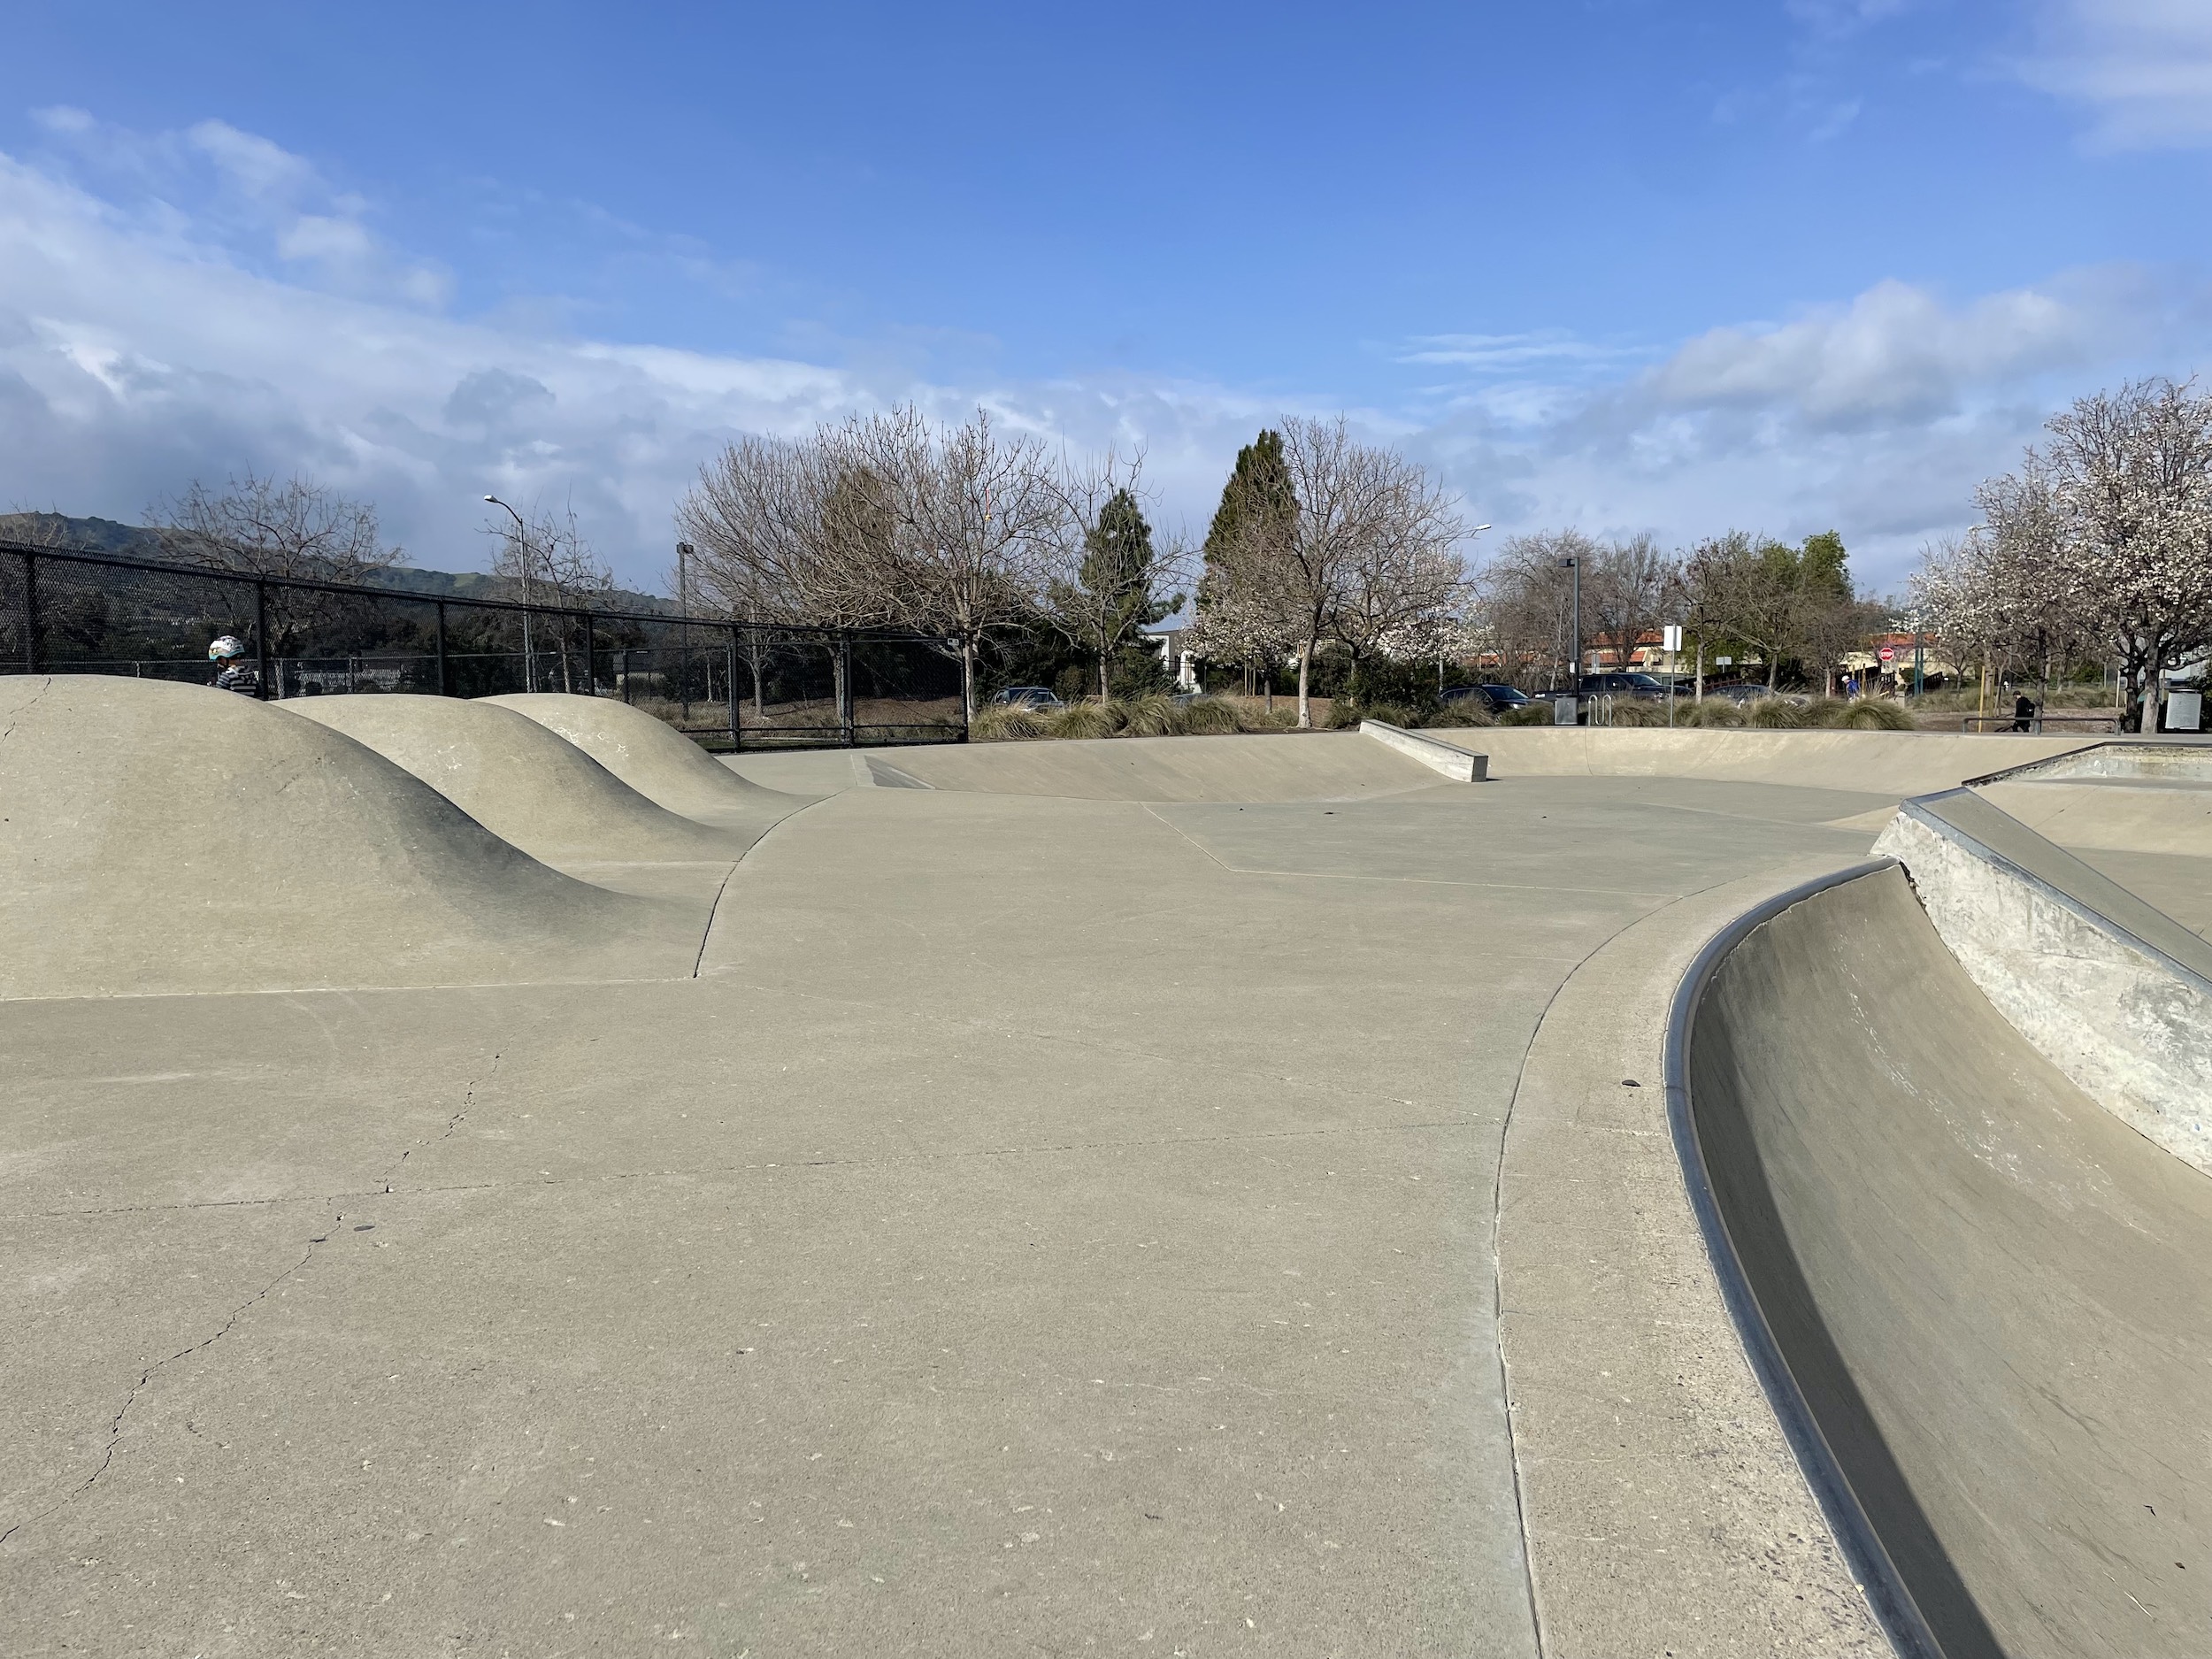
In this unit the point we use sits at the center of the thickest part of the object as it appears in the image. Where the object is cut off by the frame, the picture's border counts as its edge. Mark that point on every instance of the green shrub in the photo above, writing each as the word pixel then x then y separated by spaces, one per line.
pixel 1636 711
pixel 1536 713
pixel 1775 714
pixel 1466 711
pixel 1861 714
pixel 1211 717
pixel 1155 715
pixel 1001 723
pixel 1381 682
pixel 1713 711
pixel 1086 719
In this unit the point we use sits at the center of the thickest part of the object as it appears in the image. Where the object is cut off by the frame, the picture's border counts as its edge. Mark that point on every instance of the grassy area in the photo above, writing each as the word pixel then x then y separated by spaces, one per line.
pixel 1156 715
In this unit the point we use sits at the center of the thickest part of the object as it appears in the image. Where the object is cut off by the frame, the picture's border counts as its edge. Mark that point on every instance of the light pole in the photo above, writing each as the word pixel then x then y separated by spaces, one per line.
pixel 1573 562
pixel 683 602
pixel 522 539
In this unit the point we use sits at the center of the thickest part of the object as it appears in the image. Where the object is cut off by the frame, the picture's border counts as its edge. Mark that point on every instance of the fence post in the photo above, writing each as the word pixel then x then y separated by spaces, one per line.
pixel 591 647
pixel 845 685
pixel 445 673
pixel 732 686
pixel 261 632
pixel 34 636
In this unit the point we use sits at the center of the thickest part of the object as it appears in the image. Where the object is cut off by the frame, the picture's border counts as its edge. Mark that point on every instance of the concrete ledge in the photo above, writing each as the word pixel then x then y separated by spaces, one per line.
pixel 1461 765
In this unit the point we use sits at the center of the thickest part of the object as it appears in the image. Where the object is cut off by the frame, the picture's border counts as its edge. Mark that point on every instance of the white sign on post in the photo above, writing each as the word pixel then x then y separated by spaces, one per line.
pixel 1724 662
pixel 1671 637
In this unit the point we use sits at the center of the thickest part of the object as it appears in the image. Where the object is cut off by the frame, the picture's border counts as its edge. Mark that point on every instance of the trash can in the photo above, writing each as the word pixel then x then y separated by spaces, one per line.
pixel 1562 710
pixel 2185 710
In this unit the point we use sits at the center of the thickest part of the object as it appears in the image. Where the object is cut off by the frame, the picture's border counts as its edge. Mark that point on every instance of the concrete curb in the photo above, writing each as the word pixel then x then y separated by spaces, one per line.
pixel 1461 765
pixel 1664 1506
pixel 1856 1534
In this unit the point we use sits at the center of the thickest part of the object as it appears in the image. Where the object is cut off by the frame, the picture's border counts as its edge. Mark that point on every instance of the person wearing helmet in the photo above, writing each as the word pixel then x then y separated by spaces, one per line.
pixel 233 671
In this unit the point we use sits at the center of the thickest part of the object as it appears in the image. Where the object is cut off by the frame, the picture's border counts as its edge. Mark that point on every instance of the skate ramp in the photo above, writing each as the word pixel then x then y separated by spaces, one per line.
pixel 2119 814
pixel 1277 766
pixel 2114 992
pixel 1895 764
pixel 158 838
pixel 523 781
pixel 651 757
pixel 1992 1299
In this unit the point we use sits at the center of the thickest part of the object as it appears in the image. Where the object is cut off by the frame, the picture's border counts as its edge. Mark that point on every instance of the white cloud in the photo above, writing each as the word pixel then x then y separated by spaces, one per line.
pixel 2143 67
pixel 1895 350
pixel 140 348
pixel 149 335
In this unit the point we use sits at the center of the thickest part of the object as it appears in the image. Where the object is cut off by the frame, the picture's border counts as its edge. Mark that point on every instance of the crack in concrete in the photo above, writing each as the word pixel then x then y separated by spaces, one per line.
pixel 468 1096
pixel 18 718
pixel 115 1424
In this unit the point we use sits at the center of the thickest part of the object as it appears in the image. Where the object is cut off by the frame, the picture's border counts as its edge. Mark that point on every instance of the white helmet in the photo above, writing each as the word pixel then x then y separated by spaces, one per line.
pixel 223 649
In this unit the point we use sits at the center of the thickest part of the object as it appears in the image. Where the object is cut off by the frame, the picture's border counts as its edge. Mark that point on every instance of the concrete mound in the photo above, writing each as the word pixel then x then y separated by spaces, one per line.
pixel 659 763
pixel 524 782
pixel 158 838
pixel 1993 1296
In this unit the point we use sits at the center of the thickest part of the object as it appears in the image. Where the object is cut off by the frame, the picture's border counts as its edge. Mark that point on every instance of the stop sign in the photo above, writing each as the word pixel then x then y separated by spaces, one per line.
pixel 1889 653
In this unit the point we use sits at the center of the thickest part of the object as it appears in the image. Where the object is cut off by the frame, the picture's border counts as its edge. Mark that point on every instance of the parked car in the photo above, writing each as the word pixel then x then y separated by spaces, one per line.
pixel 1740 691
pixel 1036 699
pixel 1502 699
pixel 1612 684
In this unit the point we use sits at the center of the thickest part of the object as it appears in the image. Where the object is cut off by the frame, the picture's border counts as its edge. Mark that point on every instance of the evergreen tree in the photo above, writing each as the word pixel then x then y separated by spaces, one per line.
pixel 1119 562
pixel 1257 502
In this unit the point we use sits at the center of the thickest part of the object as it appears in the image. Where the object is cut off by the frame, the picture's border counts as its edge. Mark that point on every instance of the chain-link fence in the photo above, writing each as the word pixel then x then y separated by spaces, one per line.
pixel 728 684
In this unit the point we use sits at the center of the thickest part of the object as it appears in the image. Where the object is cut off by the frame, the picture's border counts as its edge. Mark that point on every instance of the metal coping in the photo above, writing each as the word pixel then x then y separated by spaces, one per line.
pixel 1868 1558
pixel 1915 809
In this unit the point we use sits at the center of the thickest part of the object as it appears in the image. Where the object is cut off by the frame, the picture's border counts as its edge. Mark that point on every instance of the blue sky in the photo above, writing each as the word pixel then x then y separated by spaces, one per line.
pixel 1786 264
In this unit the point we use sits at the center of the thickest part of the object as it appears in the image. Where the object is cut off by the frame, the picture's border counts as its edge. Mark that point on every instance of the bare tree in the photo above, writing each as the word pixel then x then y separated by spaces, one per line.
pixel 764 547
pixel 1527 600
pixel 1367 547
pixel 290 529
pixel 951 529
pixel 549 552
pixel 1628 588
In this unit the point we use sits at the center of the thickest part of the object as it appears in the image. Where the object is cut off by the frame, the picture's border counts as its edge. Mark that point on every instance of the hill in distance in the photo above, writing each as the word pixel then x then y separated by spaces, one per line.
pixel 130 541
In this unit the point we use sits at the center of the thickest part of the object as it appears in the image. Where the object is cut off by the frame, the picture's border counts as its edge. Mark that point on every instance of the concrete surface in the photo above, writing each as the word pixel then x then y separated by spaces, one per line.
pixel 1056 1207
pixel 2115 995
pixel 2123 814
pixel 1992 1290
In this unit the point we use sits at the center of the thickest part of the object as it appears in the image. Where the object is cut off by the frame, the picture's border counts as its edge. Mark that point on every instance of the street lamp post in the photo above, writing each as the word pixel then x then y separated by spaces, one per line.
pixel 522 539
pixel 1573 562
pixel 683 602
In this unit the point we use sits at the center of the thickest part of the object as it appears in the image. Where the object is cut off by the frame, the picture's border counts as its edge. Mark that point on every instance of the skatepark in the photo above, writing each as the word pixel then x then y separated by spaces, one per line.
pixel 489 1177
